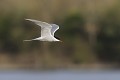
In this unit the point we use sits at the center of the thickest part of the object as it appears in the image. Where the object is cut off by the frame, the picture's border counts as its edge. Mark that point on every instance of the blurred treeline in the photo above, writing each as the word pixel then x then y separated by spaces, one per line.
pixel 89 29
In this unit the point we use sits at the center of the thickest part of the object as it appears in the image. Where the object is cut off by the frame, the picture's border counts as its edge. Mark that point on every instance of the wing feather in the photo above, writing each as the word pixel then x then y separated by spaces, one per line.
pixel 45 27
pixel 54 28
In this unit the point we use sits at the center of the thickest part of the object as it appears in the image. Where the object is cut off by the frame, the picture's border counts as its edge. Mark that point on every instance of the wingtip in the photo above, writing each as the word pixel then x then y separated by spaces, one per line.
pixel 28 19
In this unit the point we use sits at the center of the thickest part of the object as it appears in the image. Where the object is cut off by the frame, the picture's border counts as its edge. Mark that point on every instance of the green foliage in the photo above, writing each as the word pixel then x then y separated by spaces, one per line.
pixel 73 26
pixel 11 32
pixel 109 37
pixel 76 45
pixel 14 29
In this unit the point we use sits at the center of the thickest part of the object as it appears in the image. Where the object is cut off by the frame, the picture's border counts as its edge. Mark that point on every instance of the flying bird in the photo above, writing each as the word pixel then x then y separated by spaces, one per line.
pixel 47 31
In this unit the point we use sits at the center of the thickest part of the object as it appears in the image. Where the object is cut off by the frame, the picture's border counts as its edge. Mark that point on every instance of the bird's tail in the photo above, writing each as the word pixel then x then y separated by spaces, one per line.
pixel 31 39
pixel 27 40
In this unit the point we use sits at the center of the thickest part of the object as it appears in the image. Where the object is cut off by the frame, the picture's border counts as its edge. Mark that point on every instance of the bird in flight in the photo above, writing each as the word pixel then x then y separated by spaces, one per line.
pixel 47 31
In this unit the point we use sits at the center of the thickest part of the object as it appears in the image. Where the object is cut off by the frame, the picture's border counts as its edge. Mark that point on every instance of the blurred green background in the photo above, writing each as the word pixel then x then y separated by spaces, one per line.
pixel 89 29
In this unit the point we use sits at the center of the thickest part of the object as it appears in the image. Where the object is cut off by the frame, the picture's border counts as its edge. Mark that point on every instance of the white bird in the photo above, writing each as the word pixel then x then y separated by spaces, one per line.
pixel 47 31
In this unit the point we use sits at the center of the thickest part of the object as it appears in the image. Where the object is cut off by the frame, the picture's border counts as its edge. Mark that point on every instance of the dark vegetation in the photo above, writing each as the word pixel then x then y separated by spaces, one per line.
pixel 76 47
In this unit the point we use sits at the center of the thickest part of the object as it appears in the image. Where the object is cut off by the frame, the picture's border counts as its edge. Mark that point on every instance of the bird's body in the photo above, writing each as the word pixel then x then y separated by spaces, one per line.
pixel 47 31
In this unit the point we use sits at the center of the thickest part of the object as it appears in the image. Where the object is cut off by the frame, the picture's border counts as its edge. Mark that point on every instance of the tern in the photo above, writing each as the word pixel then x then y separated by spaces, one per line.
pixel 47 31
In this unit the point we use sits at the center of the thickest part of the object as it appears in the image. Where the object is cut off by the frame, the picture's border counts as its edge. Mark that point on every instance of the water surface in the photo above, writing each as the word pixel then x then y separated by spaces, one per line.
pixel 61 75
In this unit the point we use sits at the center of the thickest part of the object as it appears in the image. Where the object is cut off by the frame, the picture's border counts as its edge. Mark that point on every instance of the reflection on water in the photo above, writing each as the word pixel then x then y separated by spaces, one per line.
pixel 60 75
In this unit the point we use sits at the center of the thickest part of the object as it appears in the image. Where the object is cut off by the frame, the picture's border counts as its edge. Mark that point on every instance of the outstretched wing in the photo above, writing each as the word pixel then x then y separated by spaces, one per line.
pixel 54 28
pixel 45 27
